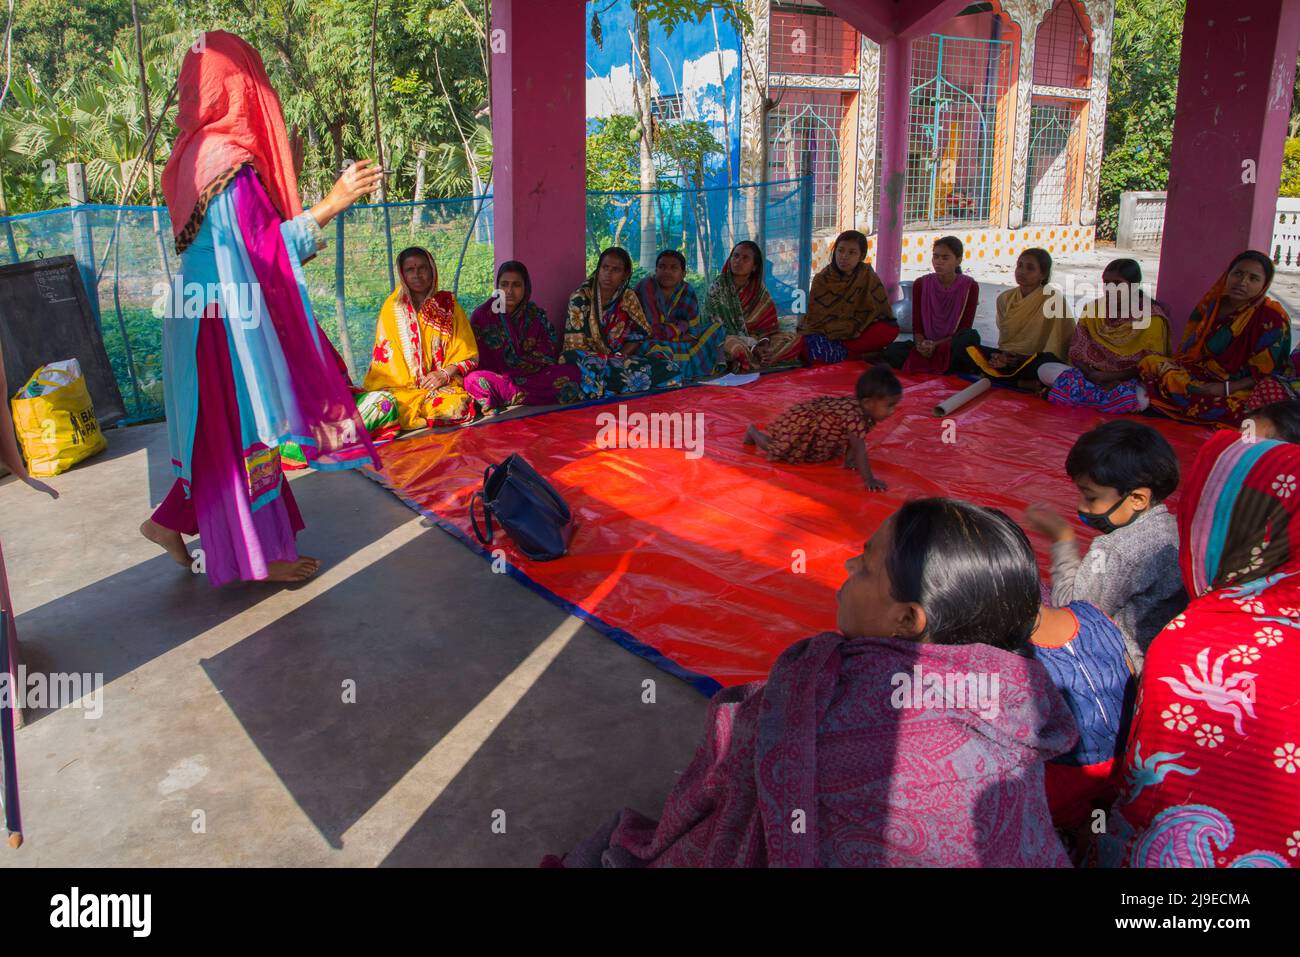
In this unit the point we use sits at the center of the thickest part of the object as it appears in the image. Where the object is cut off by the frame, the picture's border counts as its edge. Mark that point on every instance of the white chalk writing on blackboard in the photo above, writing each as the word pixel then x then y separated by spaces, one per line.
pixel 49 281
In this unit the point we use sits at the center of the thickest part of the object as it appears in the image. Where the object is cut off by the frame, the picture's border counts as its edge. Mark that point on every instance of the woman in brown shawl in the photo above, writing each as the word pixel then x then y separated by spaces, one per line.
pixel 848 312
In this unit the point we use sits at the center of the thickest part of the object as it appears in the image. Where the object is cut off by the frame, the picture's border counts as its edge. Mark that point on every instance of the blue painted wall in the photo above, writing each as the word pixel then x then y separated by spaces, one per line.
pixel 685 62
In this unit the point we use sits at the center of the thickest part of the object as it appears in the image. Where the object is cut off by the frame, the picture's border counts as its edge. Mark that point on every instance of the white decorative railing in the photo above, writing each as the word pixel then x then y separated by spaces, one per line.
pixel 1141 220
pixel 1142 225
pixel 1286 234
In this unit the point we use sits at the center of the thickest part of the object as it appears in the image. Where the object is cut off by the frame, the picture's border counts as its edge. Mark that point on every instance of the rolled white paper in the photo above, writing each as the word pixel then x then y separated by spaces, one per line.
pixel 956 401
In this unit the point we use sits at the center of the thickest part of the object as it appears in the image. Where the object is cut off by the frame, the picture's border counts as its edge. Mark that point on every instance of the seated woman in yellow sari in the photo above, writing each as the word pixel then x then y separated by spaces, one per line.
pixel 1236 352
pixel 1034 325
pixel 1115 333
pixel 425 355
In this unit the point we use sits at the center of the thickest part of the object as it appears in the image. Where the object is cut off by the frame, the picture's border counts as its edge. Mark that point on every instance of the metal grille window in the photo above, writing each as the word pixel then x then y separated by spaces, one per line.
pixel 808 39
pixel 666 107
pixel 953 156
pixel 1048 179
pixel 1063 48
pixel 806 125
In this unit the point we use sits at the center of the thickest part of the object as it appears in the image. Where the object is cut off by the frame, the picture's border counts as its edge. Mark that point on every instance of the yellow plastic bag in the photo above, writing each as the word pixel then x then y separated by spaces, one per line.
pixel 55 419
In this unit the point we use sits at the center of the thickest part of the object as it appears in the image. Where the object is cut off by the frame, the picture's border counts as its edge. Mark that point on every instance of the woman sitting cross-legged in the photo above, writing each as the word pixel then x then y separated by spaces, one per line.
pixel 669 302
pixel 740 302
pixel 608 336
pixel 425 355
pixel 848 309
pixel 860 749
pixel 943 311
pixel 1034 325
pixel 1237 345
pixel 1115 333
pixel 516 339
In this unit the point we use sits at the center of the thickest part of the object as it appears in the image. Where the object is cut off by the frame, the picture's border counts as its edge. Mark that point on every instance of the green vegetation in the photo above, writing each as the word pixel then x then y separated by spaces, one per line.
pixel 1145 56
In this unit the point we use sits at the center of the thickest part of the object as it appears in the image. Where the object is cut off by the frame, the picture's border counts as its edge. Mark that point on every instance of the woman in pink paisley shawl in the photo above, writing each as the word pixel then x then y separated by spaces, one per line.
pixel 850 754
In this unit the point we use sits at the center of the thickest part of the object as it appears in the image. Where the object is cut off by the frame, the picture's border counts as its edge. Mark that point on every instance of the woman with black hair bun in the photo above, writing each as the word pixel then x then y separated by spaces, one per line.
pixel 914 735
pixel 1236 349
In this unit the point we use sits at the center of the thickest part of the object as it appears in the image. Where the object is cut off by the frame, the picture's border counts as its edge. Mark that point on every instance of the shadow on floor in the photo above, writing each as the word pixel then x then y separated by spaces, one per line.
pixel 91 630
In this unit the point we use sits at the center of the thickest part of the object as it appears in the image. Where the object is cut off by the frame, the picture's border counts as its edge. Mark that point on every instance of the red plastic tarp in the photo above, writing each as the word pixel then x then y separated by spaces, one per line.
pixel 718 561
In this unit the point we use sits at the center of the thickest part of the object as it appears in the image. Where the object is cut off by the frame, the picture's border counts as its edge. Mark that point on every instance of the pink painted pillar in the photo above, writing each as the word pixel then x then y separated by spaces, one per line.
pixel 1234 99
pixel 539 143
pixel 889 231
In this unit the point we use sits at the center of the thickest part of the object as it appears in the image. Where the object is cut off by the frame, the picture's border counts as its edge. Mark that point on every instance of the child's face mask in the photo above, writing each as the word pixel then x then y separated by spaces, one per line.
pixel 1102 522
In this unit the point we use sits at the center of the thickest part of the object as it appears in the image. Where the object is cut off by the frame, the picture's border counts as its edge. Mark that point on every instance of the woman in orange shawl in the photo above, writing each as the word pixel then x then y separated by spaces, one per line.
pixel 1238 342
pixel 253 372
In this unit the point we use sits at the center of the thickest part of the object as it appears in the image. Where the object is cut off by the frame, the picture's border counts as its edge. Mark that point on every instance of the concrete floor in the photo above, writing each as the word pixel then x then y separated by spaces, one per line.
pixel 476 699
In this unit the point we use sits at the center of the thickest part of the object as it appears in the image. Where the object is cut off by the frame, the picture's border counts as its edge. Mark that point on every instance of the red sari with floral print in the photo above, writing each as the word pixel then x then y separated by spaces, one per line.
pixel 1213 761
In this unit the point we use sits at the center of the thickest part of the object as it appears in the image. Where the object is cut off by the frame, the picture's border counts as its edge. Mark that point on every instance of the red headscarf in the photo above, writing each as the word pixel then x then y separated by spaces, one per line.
pixel 228 114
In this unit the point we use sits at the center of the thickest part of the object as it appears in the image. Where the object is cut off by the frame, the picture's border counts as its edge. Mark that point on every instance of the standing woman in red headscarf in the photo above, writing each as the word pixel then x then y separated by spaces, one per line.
pixel 245 365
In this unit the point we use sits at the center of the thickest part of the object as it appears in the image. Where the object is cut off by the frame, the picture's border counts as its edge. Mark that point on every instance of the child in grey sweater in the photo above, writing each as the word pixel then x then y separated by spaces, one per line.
pixel 1124 471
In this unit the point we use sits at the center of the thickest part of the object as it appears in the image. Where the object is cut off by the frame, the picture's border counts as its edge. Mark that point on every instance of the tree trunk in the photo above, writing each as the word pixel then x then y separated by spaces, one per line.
pixel 417 213
pixel 313 151
pixel 641 62
pixel 726 126
pixel 148 160
pixel 703 228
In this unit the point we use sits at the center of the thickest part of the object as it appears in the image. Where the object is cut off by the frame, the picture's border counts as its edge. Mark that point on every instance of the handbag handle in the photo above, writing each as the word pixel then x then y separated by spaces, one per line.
pixel 487 516
pixel 487 519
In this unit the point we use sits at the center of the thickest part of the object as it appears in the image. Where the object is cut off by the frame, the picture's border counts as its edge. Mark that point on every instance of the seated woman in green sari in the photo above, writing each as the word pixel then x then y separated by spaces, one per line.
pixel 739 301
pixel 608 337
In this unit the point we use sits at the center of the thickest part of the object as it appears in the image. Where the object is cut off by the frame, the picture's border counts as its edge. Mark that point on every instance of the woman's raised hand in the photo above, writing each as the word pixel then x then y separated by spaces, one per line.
pixel 358 180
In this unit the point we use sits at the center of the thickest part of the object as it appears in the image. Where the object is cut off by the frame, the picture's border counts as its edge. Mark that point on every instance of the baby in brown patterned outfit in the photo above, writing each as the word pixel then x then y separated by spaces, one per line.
pixel 826 428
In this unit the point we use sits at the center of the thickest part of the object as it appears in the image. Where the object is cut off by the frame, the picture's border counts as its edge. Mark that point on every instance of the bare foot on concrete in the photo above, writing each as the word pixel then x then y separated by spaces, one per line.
pixel 171 542
pixel 298 571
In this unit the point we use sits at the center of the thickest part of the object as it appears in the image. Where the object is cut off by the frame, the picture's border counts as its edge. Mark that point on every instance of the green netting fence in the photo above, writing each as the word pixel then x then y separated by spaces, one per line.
pixel 127 259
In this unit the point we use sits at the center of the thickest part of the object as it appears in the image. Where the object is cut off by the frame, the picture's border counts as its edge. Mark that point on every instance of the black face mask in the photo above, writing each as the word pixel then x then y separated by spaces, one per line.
pixel 1102 523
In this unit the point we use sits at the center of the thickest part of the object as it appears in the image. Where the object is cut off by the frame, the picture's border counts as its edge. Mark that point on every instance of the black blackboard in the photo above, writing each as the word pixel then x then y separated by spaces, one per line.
pixel 45 316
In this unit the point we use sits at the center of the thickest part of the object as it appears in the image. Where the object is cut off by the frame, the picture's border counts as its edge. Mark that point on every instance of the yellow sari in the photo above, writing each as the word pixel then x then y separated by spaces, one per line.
pixel 409 346
pixel 1026 329
pixel 1116 345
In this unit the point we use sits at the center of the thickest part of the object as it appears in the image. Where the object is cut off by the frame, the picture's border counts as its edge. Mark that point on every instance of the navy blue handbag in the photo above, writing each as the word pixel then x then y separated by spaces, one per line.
pixel 523 503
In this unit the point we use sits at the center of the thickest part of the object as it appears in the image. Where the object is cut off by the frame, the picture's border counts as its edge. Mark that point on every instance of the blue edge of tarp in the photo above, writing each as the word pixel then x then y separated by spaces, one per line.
pixel 702 683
